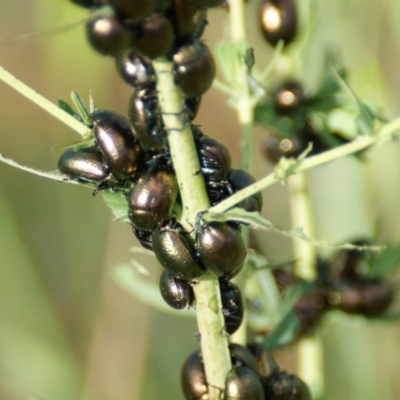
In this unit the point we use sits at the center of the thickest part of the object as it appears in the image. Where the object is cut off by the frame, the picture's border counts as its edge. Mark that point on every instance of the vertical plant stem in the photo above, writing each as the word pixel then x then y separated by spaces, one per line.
pixel 301 216
pixel 309 349
pixel 245 112
pixel 245 108
pixel 214 343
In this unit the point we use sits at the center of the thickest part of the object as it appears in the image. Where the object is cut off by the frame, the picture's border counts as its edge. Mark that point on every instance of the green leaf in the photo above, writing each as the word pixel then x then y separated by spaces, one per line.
pixel 287 328
pixel 384 263
pixel 80 107
pixel 366 117
pixel 68 109
pixel 284 333
pixel 118 204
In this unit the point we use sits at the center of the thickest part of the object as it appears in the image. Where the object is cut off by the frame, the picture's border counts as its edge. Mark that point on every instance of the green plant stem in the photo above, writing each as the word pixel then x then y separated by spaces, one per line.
pixel 214 344
pixel 245 106
pixel 42 102
pixel 309 349
pixel 302 216
pixel 245 113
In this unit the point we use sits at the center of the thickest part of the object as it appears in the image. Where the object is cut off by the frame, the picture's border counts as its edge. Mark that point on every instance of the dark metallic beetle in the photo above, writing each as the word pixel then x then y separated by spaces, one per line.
pixel 368 298
pixel 215 162
pixel 155 36
pixel 174 250
pixel 145 116
pixel 135 69
pixel 85 164
pixel 232 306
pixel 144 238
pixel 152 196
pixel 192 106
pixel 194 68
pixel 280 385
pixel 278 21
pixel 115 139
pixel 309 309
pixel 348 264
pixel 288 96
pixel 239 179
pixel 177 293
pixel 193 378
pixel 242 357
pixel 107 35
pixel 133 11
pixel 221 249
pixel 273 147
pixel 243 384
pixel 189 21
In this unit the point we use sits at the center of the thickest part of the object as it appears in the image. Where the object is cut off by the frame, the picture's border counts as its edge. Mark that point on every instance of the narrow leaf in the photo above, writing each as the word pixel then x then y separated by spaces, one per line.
pixel 80 107
pixel 68 109
pixel 366 118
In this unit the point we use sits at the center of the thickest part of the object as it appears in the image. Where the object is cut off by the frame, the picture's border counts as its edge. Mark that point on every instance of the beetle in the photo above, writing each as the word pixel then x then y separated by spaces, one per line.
pixel 115 139
pixel 107 35
pixel 189 21
pixel 153 195
pixel 215 162
pixel 221 249
pixel 243 384
pixel 193 378
pixel 155 36
pixel 288 96
pixel 232 306
pixel 177 293
pixel 348 264
pixel 133 11
pixel 175 251
pixel 280 385
pixel 242 357
pixel 239 179
pixel 135 69
pixel 85 164
pixel 144 238
pixel 278 21
pixel 361 296
pixel 146 119
pixel 194 67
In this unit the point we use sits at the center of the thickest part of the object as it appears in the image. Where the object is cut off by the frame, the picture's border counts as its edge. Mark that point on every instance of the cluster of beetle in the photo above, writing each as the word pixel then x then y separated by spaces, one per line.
pixel 132 157
pixel 342 284
pixel 292 130
pixel 254 376
pixel 297 131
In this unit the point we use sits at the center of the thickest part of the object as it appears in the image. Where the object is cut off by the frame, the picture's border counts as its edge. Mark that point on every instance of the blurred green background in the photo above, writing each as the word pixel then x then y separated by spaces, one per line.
pixel 67 332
